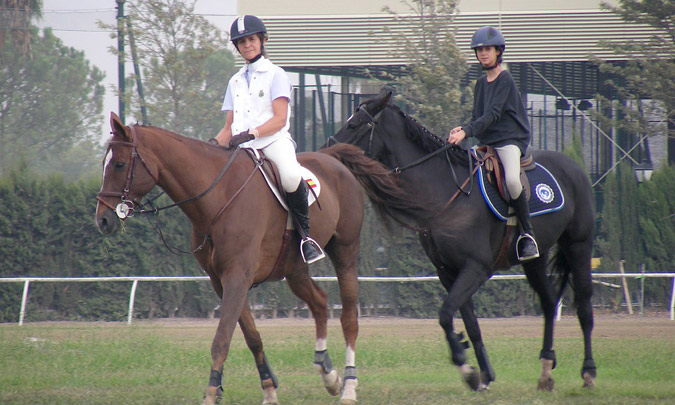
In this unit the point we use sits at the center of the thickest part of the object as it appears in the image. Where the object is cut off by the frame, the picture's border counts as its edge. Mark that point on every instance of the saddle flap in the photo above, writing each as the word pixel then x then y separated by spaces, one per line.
pixel 269 172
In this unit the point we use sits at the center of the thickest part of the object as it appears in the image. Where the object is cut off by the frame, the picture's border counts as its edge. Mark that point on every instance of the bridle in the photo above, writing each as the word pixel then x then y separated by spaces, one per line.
pixel 372 124
pixel 357 138
pixel 126 208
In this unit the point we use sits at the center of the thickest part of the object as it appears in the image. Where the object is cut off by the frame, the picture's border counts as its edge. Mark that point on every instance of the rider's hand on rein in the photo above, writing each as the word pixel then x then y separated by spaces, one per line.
pixel 240 138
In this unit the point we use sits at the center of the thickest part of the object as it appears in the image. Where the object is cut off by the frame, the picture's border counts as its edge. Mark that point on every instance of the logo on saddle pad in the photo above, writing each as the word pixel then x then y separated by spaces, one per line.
pixel 546 193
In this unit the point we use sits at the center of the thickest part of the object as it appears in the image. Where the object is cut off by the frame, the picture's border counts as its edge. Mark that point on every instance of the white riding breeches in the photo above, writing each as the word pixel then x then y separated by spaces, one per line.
pixel 282 153
pixel 510 158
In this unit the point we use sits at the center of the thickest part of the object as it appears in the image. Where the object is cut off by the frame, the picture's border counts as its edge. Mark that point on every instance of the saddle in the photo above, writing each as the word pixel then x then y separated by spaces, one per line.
pixel 270 173
pixel 494 172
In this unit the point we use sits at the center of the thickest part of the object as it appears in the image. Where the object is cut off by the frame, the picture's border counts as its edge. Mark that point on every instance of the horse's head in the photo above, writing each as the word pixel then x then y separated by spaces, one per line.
pixel 365 127
pixel 127 177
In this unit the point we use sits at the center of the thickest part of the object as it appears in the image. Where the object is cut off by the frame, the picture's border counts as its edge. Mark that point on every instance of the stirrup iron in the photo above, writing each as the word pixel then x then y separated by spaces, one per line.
pixel 529 257
pixel 312 243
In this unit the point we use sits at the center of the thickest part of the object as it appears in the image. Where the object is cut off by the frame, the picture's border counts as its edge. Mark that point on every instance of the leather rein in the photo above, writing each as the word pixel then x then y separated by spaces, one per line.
pixel 372 124
pixel 126 208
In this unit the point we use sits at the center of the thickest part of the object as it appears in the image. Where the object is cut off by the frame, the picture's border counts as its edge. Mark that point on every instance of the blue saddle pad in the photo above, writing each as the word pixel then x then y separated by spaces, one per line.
pixel 546 195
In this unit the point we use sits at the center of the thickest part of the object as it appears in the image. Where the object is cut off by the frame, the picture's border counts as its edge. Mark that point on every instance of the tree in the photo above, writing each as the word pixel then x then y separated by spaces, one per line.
pixel 15 18
pixel 645 84
pixel 49 104
pixel 186 66
pixel 433 85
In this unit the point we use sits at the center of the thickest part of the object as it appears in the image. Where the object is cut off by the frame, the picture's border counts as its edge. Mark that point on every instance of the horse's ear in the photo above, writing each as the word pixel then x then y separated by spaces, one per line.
pixel 118 127
pixel 385 95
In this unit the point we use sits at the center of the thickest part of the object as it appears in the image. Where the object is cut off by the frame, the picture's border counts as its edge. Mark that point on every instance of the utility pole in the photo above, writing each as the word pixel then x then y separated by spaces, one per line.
pixel 120 57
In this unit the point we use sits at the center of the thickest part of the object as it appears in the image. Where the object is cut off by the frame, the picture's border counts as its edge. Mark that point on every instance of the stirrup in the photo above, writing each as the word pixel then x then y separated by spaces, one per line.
pixel 530 256
pixel 315 248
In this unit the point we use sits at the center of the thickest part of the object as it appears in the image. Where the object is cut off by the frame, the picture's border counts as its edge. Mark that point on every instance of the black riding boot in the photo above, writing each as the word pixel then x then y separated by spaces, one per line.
pixel 526 245
pixel 297 203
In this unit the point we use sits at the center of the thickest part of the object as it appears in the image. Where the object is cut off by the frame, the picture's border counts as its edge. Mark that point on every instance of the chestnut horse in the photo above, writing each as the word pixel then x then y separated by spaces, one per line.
pixel 465 239
pixel 238 235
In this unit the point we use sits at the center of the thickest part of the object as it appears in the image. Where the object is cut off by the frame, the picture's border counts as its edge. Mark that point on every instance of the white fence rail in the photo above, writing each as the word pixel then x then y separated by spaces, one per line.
pixel 135 279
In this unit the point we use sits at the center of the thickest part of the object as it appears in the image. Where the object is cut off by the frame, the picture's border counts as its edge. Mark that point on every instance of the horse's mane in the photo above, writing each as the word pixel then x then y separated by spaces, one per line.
pixel 419 134
pixel 165 132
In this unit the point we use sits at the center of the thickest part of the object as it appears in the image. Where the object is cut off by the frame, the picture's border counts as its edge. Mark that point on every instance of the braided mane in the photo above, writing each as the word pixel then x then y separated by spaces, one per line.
pixel 419 134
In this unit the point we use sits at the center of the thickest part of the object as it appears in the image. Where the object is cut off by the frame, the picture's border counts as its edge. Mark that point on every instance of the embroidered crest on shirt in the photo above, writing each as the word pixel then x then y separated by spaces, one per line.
pixel 261 94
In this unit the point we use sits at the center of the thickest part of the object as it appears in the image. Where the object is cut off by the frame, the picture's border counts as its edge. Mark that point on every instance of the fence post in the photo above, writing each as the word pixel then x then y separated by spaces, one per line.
pixel 24 298
pixel 132 296
pixel 672 302
pixel 629 303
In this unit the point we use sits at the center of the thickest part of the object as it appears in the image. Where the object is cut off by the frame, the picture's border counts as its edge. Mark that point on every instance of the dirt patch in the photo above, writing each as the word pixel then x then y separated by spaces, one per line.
pixel 606 326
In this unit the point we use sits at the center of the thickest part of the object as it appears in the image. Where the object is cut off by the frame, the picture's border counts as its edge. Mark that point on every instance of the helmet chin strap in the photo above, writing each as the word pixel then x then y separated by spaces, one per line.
pixel 255 59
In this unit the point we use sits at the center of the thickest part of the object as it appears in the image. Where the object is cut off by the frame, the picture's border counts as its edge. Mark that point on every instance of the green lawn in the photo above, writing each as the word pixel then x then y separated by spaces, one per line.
pixel 398 362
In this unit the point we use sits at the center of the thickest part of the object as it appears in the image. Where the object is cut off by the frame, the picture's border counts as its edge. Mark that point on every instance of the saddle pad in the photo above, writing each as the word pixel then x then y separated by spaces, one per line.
pixel 313 184
pixel 545 191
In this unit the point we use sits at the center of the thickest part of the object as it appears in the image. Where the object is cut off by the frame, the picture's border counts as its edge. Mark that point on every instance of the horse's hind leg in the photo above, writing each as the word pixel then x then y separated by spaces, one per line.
pixel 268 380
pixel 535 270
pixel 347 274
pixel 305 289
pixel 578 257
pixel 487 373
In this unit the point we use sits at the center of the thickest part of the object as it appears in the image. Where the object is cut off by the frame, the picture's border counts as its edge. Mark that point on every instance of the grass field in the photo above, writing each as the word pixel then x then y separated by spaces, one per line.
pixel 399 361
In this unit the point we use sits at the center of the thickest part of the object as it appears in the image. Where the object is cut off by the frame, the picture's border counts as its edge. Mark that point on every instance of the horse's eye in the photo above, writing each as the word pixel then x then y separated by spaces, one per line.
pixel 120 165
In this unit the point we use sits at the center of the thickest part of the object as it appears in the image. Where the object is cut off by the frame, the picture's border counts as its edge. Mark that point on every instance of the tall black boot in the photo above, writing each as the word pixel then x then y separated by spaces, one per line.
pixel 526 245
pixel 297 203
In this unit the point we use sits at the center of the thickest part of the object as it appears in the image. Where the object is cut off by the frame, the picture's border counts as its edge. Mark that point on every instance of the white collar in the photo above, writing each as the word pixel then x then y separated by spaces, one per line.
pixel 261 65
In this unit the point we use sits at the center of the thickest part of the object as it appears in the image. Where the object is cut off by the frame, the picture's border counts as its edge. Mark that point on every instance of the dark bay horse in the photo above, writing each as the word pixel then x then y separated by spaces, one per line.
pixel 238 234
pixel 463 240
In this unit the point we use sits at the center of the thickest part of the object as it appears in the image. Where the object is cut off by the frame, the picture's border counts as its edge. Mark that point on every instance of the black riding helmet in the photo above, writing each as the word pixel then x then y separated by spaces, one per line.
pixel 246 25
pixel 489 36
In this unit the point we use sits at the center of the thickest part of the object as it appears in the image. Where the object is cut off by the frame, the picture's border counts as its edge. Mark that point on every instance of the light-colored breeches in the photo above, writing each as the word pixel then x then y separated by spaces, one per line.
pixel 282 153
pixel 510 157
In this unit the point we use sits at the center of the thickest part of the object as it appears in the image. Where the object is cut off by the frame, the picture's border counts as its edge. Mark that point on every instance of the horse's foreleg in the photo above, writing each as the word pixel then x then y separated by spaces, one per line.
pixel 232 302
pixel 487 373
pixel 465 285
pixel 268 380
pixel 535 270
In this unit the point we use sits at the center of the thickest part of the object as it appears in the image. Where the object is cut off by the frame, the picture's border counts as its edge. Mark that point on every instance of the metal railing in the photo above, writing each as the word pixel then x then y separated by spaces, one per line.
pixel 135 279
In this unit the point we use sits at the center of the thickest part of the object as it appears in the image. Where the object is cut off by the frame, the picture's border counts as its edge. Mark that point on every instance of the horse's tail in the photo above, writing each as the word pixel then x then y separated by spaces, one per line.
pixel 381 186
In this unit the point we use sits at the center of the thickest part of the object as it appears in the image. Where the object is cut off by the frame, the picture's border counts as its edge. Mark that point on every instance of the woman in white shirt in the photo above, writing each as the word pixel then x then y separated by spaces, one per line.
pixel 258 111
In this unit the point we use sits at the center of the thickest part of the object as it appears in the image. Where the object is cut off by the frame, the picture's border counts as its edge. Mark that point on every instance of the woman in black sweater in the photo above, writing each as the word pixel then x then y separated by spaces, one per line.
pixel 499 119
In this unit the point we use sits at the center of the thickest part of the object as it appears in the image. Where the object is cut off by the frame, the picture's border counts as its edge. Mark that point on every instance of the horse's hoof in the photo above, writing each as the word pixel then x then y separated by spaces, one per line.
pixel 345 401
pixel 471 376
pixel 335 389
pixel 332 382
pixel 546 385
pixel 211 396
pixel 589 380
pixel 482 387
pixel 270 403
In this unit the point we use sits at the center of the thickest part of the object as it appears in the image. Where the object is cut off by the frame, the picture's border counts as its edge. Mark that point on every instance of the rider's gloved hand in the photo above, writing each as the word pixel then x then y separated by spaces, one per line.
pixel 240 138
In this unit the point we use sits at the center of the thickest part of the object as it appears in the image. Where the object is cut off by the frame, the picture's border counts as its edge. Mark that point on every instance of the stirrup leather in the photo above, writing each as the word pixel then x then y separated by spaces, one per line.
pixel 526 236
pixel 317 248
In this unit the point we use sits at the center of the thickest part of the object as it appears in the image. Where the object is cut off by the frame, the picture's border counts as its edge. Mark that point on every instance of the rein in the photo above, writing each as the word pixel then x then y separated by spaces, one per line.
pixel 126 208
pixel 373 124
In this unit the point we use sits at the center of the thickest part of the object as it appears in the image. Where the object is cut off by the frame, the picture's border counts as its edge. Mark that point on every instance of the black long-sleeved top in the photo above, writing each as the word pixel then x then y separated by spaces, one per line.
pixel 499 115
